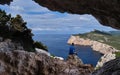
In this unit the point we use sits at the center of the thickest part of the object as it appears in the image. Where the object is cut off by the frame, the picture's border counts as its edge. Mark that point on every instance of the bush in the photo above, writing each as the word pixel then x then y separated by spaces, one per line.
pixel 15 29
pixel 117 54
pixel 40 45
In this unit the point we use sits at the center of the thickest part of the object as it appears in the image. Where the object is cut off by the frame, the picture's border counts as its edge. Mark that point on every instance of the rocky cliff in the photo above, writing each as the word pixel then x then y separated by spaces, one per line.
pixel 97 46
pixel 20 62
pixel 109 68
pixel 105 49
pixel 105 58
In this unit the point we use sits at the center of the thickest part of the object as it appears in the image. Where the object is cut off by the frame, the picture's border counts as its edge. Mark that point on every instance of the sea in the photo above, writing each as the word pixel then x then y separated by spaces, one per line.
pixel 57 45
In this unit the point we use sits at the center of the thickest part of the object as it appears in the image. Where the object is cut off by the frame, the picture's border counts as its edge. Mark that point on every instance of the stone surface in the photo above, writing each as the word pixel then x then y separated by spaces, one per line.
pixel 5 1
pixel 20 62
pixel 109 68
pixel 8 45
pixel 42 51
pixel 105 11
pixel 105 58
pixel 27 63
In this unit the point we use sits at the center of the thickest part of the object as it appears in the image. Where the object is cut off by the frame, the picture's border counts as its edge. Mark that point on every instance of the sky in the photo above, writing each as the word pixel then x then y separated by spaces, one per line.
pixel 43 21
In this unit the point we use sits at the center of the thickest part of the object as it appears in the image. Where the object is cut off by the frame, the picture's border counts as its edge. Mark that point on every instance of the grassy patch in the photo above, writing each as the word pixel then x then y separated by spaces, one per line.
pixel 117 54
pixel 103 37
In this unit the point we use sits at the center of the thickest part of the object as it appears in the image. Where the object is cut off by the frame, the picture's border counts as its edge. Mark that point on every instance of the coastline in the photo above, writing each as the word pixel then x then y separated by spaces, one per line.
pixel 97 46
pixel 106 50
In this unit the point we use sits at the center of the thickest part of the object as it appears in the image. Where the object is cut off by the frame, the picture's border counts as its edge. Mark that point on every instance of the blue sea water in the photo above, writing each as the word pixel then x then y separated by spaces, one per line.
pixel 57 45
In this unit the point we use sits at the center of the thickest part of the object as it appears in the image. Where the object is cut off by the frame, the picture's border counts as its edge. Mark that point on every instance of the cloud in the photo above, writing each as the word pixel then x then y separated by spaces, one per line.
pixel 41 19
pixel 16 8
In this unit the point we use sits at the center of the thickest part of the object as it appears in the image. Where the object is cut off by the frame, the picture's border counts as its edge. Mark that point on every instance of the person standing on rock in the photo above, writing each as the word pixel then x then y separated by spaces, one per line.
pixel 72 49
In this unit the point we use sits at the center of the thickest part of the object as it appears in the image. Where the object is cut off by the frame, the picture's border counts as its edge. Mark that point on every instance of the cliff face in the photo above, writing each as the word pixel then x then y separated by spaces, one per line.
pixel 20 62
pixel 105 11
pixel 97 46
pixel 105 58
pixel 105 49
pixel 110 68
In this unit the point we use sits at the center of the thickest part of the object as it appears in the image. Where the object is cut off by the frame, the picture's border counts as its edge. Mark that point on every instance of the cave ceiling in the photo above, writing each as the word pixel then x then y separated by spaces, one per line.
pixel 5 2
pixel 107 12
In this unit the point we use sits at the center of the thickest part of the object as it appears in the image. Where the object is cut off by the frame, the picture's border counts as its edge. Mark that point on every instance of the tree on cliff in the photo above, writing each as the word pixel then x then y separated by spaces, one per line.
pixel 15 28
pixel 18 24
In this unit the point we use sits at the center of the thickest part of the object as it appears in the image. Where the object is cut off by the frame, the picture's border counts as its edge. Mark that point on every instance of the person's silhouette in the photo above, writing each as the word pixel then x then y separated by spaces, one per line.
pixel 71 49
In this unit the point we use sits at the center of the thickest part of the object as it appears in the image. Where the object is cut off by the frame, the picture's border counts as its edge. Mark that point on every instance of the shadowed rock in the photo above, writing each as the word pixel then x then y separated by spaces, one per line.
pixel 105 11
pixel 110 68
pixel 5 2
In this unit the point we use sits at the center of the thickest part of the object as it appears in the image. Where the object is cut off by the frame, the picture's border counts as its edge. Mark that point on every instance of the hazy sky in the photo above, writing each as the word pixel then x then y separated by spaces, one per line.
pixel 41 20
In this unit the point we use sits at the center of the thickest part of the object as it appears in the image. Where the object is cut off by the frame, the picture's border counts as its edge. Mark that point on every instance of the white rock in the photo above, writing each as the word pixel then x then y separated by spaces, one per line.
pixel 105 58
pixel 42 51
pixel 56 57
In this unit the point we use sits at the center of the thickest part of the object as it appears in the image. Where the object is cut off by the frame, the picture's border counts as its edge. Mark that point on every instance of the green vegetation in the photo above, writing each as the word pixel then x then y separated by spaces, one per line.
pixel 40 45
pixel 103 37
pixel 15 28
pixel 117 54
pixel 52 55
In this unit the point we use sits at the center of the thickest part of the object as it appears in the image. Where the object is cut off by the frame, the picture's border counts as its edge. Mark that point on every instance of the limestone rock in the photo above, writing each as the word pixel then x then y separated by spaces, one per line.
pixel 8 45
pixel 97 46
pixel 105 49
pixel 60 58
pixel 109 68
pixel 28 63
pixel 20 62
pixel 105 58
pixel 42 51
pixel 74 59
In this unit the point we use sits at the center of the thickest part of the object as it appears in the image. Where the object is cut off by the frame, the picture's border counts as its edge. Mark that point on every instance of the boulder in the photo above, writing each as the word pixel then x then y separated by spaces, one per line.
pixel 42 51
pixel 105 58
pixel 20 62
pixel 109 68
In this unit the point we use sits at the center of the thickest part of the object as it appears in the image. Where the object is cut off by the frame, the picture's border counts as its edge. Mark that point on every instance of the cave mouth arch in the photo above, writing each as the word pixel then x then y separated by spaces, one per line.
pixel 101 15
pixel 106 12
pixel 67 21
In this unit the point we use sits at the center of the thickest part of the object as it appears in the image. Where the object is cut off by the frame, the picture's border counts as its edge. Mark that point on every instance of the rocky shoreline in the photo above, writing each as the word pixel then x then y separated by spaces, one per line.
pixel 97 46
pixel 106 50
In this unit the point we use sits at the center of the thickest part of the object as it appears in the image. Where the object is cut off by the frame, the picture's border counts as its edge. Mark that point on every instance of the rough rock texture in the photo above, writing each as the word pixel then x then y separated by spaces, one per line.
pixel 8 45
pixel 110 68
pixel 19 62
pixel 105 58
pixel 5 1
pixel 105 11
pixel 97 46
pixel 42 51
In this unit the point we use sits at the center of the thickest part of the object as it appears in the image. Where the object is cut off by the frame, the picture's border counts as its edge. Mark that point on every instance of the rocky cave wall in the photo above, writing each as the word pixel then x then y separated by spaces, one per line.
pixel 105 11
pixel 5 1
